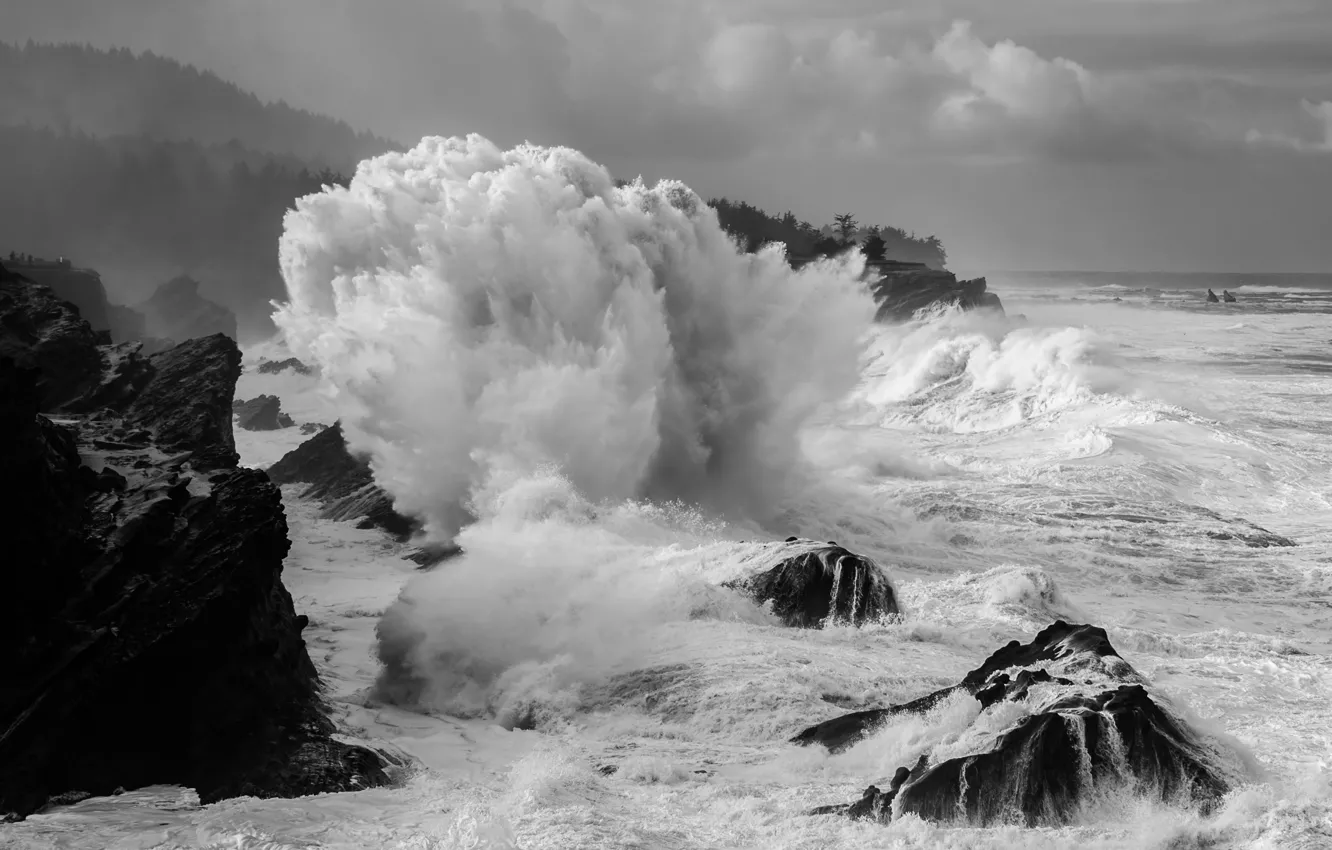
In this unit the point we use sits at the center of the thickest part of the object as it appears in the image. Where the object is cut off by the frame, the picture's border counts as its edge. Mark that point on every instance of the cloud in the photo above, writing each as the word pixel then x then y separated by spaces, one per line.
pixel 724 89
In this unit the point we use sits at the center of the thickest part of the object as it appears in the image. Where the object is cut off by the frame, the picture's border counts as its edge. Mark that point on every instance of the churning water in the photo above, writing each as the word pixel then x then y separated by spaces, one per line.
pixel 493 327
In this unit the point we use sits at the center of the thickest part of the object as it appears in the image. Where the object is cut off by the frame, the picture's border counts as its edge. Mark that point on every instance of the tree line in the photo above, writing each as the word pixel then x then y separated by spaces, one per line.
pixel 752 228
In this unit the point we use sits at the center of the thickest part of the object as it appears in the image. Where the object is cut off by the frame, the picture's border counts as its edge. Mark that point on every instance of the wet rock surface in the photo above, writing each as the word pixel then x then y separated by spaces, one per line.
pixel 151 640
pixel 1092 728
pixel 812 584
pixel 342 482
pixel 902 289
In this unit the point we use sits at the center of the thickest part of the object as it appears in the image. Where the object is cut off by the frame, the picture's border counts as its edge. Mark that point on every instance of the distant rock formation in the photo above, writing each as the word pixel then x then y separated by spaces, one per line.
pixel 1225 294
pixel 126 323
pixel 1211 297
pixel 148 638
pixel 902 289
pixel 177 311
pixel 262 413
pixel 813 584
pixel 81 287
pixel 273 367
pixel 1092 727
pixel 342 482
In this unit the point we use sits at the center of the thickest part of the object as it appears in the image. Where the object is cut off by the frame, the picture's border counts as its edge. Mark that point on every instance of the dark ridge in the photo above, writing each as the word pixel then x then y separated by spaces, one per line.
pixel 342 482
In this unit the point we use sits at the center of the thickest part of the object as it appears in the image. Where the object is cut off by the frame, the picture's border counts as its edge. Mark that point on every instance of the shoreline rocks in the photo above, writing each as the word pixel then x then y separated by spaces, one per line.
pixel 1091 727
pixel 151 640
pixel 903 289
pixel 813 584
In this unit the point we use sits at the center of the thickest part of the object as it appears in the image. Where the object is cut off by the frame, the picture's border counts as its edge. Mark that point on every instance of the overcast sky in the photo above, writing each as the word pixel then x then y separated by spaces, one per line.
pixel 1067 134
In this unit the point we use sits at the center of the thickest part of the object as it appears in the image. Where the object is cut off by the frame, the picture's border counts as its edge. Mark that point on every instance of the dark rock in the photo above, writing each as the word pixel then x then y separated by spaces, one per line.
pixel 1075 648
pixel 1211 297
pixel 263 413
pixel 342 482
pixel 177 311
pixel 312 427
pixel 40 330
pixel 811 583
pixel 81 287
pixel 902 289
pixel 149 639
pixel 272 367
pixel 1080 740
pixel 186 404
pixel 430 556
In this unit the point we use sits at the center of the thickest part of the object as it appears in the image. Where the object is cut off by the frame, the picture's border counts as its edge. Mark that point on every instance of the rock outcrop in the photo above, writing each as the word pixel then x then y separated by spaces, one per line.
pixel 81 287
pixel 902 289
pixel 342 482
pixel 40 330
pixel 262 413
pixel 1091 727
pixel 177 311
pixel 273 367
pixel 810 584
pixel 149 639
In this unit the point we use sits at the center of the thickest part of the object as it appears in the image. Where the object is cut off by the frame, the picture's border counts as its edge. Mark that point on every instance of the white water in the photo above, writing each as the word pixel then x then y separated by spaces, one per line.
pixel 1006 475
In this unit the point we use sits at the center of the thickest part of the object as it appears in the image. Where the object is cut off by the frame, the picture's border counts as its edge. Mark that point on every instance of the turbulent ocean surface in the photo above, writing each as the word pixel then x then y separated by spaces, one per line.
pixel 1125 454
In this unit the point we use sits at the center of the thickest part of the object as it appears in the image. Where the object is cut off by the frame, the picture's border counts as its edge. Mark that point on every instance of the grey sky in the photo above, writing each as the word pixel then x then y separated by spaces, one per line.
pixel 1112 134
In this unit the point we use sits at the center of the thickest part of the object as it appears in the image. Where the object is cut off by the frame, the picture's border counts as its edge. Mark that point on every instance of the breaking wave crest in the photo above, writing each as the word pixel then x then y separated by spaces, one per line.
pixel 482 313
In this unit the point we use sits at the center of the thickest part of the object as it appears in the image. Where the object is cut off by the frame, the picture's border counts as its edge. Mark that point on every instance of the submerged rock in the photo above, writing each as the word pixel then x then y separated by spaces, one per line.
pixel 262 413
pixel 1092 727
pixel 342 482
pixel 149 638
pixel 903 289
pixel 177 311
pixel 812 584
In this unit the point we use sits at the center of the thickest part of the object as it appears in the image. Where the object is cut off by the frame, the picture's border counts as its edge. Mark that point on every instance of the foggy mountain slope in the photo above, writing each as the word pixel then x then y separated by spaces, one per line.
pixel 118 92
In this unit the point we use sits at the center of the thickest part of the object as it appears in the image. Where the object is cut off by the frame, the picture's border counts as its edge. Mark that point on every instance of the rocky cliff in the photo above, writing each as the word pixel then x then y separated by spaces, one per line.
pixel 149 638
pixel 902 289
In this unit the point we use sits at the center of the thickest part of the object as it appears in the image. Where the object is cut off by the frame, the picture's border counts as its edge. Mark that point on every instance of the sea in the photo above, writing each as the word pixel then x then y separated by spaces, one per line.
pixel 1115 450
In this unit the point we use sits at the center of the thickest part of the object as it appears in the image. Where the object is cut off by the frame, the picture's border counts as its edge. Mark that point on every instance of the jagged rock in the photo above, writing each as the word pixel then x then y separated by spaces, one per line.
pixel 1091 730
pixel 187 402
pixel 40 330
pixel 1061 645
pixel 342 482
pixel 177 311
pixel 273 367
pixel 81 287
pixel 814 583
pixel 901 289
pixel 312 427
pixel 262 413
pixel 149 638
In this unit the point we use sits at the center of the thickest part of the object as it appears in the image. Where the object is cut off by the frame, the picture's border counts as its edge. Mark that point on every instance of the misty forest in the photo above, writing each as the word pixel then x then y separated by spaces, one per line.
pixel 377 488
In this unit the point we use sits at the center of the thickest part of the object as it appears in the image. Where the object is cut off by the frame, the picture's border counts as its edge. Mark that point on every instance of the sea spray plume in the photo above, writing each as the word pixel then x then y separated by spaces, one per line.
pixel 480 313
pixel 516 341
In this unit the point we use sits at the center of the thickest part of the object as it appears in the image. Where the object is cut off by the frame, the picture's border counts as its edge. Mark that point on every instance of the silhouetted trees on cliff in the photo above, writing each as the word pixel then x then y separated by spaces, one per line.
pixel 752 228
